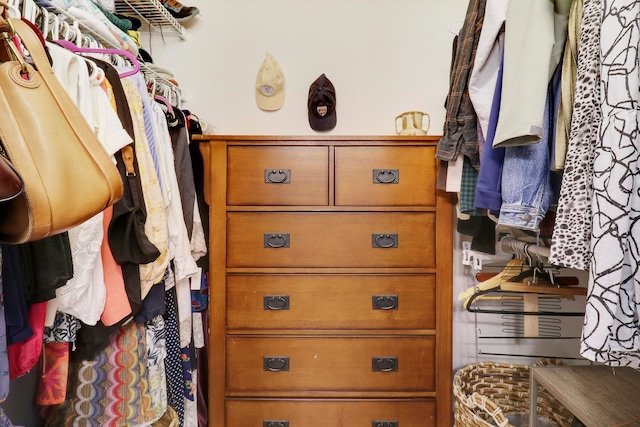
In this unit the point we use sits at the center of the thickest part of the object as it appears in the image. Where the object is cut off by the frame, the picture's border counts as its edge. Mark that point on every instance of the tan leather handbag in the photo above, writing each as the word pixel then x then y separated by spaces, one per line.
pixel 11 184
pixel 68 176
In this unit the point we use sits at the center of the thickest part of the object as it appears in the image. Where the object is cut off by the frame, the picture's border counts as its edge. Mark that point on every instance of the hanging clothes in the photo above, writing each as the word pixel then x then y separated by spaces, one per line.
pixel 155 227
pixel 611 332
pixel 570 243
pixel 569 64
pixel 113 389
pixel 24 355
pixel 487 62
pixel 127 239
pixel 535 36
pixel 156 353
pixel 173 363
pixel 49 265
pixel 489 188
pixel 84 295
pixel 18 328
pixel 460 129
pixel 528 185
pixel 4 361
pixel 52 384
pixel 104 337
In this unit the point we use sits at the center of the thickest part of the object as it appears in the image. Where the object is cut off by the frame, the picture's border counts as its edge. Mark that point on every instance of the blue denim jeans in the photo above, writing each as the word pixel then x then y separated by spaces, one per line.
pixel 527 186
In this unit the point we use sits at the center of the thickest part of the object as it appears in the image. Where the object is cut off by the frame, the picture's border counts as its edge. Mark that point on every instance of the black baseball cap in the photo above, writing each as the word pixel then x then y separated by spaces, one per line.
pixel 322 104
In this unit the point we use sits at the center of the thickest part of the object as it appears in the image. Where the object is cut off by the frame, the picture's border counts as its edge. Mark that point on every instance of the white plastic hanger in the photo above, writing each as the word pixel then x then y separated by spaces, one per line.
pixel 29 10
pixel 455 26
pixel 14 9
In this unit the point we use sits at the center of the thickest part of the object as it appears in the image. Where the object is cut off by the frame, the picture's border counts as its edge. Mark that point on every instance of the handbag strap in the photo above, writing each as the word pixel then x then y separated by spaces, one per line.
pixel 9 50
pixel 36 51
pixel 10 27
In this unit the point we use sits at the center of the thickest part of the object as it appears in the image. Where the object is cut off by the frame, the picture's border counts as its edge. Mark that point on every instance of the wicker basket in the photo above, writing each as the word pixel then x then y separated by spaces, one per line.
pixel 485 393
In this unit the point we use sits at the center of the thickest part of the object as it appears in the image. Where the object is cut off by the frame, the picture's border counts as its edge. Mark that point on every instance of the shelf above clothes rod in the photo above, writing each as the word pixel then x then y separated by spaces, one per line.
pixel 153 15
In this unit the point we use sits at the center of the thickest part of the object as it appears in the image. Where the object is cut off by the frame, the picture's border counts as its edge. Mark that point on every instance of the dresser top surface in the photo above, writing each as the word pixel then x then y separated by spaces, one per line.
pixel 319 139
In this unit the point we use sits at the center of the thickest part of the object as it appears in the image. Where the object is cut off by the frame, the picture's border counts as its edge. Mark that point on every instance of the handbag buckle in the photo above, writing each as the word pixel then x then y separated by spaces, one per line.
pixel 13 50
pixel 7 37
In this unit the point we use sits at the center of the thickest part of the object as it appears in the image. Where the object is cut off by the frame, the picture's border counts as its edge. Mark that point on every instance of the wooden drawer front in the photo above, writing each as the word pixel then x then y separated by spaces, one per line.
pixel 385 176
pixel 330 302
pixel 319 413
pixel 295 364
pixel 278 175
pixel 330 239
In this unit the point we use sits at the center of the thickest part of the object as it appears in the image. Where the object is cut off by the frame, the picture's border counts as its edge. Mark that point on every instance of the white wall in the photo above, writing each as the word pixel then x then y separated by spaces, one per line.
pixel 383 56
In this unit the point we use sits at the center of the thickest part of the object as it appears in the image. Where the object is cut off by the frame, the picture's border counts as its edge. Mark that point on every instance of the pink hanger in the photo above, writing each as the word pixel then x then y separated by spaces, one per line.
pixel 75 48
pixel 165 101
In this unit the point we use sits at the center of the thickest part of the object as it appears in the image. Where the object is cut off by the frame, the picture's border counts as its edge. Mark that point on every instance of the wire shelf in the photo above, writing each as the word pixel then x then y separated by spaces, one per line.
pixel 154 16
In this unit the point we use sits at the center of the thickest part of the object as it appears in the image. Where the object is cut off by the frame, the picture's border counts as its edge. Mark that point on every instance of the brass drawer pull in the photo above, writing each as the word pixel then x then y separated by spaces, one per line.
pixel 391 423
pixel 385 176
pixel 384 240
pixel 276 240
pixel 384 364
pixel 275 363
pixel 277 176
pixel 384 302
pixel 275 423
pixel 275 302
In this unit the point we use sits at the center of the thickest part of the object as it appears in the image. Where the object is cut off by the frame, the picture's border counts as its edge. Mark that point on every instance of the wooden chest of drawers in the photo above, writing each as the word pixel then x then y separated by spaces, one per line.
pixel 330 282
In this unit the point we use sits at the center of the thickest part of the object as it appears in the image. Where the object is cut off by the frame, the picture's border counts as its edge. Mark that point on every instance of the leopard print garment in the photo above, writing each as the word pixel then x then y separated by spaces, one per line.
pixel 572 229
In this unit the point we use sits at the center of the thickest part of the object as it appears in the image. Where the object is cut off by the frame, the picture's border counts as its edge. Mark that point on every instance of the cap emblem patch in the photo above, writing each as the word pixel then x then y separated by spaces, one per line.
pixel 267 90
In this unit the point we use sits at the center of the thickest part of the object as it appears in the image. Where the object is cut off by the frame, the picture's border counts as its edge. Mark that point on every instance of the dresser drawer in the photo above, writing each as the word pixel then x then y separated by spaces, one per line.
pixel 331 302
pixel 381 239
pixel 277 175
pixel 327 413
pixel 306 363
pixel 385 176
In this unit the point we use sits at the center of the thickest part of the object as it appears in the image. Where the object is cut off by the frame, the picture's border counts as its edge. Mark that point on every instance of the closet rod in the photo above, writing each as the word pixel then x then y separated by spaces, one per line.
pixel 511 244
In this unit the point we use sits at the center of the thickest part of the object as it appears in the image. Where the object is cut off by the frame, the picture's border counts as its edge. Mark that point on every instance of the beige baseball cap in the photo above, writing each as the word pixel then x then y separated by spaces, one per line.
pixel 270 85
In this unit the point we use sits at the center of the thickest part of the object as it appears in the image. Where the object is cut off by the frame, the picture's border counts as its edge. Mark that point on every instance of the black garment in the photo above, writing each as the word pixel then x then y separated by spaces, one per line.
pixel 15 304
pixel 197 163
pixel 46 266
pixel 91 340
pixel 483 231
pixel 153 304
pixel 129 243
pixel 184 168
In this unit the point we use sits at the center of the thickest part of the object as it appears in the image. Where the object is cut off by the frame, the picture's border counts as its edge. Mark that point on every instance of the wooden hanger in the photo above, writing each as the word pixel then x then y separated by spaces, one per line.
pixel 513 267
pixel 559 280
pixel 514 281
